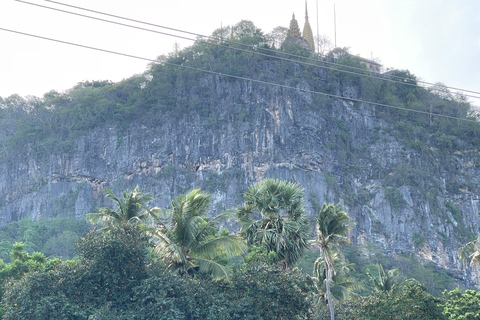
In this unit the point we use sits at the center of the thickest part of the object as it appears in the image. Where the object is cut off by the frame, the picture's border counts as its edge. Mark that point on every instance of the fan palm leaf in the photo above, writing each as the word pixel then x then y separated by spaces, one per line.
pixel 281 225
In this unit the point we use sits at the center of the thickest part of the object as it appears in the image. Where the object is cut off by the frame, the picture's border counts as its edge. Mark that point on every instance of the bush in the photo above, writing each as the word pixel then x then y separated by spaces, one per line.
pixel 462 305
pixel 110 267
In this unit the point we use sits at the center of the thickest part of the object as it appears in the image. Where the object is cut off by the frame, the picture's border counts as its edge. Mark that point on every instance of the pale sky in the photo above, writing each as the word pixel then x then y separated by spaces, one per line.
pixel 437 40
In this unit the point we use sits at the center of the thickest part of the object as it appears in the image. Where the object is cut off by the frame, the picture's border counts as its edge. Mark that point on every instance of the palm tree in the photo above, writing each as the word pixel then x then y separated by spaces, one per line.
pixel 282 226
pixel 190 241
pixel 385 281
pixel 333 225
pixel 132 209
pixel 341 285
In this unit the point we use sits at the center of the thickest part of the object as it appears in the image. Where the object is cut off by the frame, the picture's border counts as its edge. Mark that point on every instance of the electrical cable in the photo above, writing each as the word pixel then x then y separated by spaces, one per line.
pixel 399 80
pixel 240 78
pixel 213 43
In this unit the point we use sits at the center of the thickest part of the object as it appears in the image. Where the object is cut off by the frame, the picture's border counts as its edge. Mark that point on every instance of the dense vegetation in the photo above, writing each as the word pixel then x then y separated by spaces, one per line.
pixel 151 263
pixel 55 237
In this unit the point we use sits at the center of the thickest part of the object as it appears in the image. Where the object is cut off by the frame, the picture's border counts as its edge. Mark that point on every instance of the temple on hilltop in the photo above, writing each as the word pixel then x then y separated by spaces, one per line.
pixel 304 39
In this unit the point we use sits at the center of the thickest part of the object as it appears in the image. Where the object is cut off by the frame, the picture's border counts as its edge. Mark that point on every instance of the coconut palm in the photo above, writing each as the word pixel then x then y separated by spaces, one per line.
pixel 333 225
pixel 281 226
pixel 190 241
pixel 131 209
pixel 341 285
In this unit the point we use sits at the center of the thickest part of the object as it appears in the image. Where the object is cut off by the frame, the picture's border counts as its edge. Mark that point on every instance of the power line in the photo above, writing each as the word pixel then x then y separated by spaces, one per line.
pixel 104 20
pixel 239 77
pixel 400 80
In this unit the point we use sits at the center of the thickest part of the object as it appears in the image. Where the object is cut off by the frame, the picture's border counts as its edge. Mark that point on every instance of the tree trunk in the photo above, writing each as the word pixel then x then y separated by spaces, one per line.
pixel 329 296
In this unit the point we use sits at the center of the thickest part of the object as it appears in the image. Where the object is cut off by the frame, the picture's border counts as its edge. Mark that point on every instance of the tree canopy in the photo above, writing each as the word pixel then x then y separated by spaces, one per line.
pixel 282 225
pixel 189 241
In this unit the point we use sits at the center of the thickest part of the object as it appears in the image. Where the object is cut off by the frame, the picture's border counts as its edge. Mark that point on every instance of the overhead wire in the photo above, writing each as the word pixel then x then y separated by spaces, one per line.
pixel 241 78
pixel 238 43
pixel 391 78
pixel 399 79
pixel 208 37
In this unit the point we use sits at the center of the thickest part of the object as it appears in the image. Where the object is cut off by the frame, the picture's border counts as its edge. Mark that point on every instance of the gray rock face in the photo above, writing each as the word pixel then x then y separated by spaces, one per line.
pixel 337 150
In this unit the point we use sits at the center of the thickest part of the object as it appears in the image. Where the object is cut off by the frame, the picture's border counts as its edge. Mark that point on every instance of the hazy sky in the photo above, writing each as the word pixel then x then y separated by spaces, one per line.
pixel 437 40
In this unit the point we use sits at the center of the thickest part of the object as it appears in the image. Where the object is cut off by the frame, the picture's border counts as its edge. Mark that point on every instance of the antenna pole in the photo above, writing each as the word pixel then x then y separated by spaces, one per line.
pixel 318 34
pixel 335 24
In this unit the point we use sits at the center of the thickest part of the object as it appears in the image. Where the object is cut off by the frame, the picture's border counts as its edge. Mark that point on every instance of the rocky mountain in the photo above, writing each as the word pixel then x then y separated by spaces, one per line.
pixel 409 179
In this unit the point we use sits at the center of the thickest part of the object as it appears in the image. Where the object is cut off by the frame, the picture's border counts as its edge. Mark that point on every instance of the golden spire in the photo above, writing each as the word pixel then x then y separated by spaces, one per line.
pixel 307 31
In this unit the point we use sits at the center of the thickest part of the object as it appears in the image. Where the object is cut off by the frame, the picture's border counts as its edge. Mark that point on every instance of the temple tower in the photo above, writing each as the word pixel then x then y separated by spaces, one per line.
pixel 294 30
pixel 307 31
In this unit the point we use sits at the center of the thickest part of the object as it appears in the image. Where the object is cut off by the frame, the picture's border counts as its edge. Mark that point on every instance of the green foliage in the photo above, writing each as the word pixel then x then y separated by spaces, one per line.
pixel 412 302
pixel 262 295
pixel 333 224
pixel 368 256
pixel 462 305
pixel 247 295
pixel 164 297
pixel 247 33
pixel 406 175
pixel 49 124
pixel 114 278
pixel 418 240
pixel 56 237
pixel 115 261
pixel 110 265
pixel 395 197
pixel 42 295
pixel 189 242
pixel 111 281
pixel 282 224
pixel 427 273
pixel 342 285
pixel 259 257
pixel 131 210
pixel 22 263
pixel 385 281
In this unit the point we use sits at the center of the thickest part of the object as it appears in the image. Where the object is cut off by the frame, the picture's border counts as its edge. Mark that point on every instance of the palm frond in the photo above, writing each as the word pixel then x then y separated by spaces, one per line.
pixel 282 226
pixel 228 246
pixel 215 269
pixel 341 286
pixel 131 209
pixel 188 241
pixel 385 281
pixel 333 225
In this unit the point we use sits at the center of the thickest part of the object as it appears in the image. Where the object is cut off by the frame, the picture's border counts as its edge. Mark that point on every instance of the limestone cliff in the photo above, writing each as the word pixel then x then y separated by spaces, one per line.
pixel 402 196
